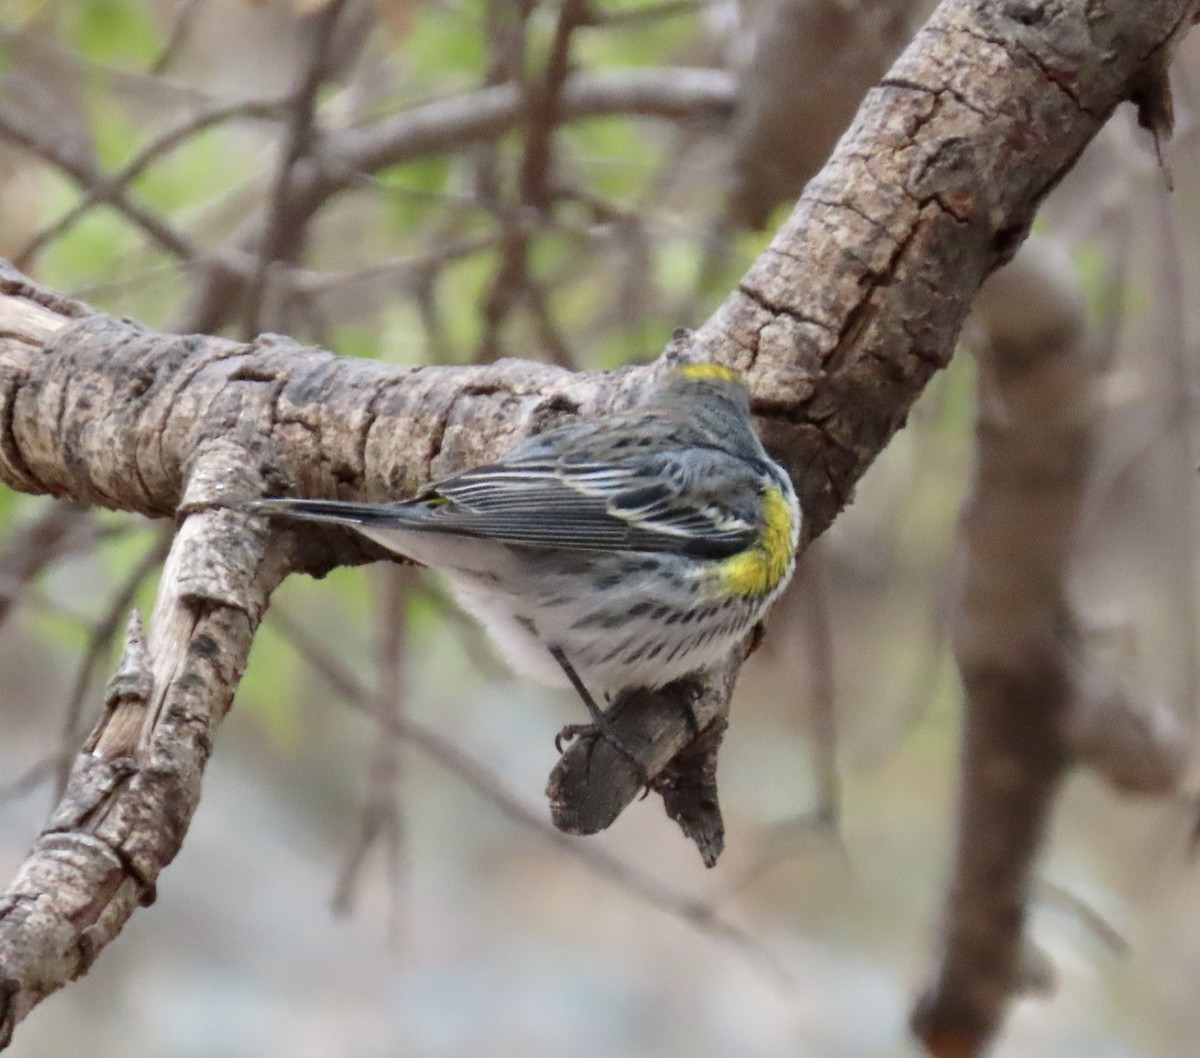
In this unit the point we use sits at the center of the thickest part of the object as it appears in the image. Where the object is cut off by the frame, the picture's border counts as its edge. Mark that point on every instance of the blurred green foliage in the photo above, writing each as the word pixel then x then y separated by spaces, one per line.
pixel 117 32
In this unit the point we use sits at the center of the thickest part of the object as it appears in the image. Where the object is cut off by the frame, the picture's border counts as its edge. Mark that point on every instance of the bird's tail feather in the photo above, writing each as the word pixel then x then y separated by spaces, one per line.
pixel 345 512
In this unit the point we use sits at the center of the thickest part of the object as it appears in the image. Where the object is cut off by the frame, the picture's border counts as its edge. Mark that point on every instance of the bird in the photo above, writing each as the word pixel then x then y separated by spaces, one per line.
pixel 622 552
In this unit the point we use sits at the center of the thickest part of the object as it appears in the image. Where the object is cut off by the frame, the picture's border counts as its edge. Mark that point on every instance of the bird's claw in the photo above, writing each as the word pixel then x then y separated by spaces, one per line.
pixel 568 733
pixel 599 730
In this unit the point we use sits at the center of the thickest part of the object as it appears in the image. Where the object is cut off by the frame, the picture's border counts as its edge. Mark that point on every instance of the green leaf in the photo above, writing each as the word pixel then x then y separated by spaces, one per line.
pixel 198 171
pixel 114 32
pixel 445 40
pixel 415 191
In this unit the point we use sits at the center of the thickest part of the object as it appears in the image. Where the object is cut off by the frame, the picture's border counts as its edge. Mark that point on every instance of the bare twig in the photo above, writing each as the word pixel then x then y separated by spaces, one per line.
pixel 513 282
pixel 35 546
pixel 693 912
pixel 347 157
pixel 110 188
pixel 783 841
pixel 508 37
pixel 408 270
pixel 283 235
pixel 181 28
pixel 1096 923
pixel 34 776
pixel 80 168
pixel 625 18
pixel 382 821
pixel 543 107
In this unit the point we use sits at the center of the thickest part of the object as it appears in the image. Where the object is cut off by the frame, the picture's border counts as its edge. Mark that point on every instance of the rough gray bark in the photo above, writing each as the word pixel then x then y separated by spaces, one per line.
pixel 838 326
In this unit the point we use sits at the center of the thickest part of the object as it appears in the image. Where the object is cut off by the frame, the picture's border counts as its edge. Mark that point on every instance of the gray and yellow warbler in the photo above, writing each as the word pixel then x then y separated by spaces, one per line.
pixel 624 552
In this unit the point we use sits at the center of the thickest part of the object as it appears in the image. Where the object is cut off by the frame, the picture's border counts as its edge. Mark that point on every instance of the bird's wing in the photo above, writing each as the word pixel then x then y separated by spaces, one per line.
pixel 656 503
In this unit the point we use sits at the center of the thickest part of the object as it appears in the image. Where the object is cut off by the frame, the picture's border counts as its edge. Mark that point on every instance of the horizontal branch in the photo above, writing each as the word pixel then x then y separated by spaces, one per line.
pixel 346 158
pixel 456 123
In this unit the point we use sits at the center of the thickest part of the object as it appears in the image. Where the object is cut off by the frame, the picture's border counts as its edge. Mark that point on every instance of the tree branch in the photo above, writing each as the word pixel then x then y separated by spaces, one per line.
pixel 83 171
pixel 282 238
pixel 344 159
pixel 1036 703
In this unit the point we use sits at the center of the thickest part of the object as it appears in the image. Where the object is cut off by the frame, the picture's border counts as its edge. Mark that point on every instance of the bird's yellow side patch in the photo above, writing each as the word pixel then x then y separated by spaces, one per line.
pixel 726 374
pixel 758 569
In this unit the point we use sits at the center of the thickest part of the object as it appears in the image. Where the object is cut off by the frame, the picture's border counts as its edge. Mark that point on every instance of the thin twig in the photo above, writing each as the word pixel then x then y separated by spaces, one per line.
pixel 283 234
pixel 513 279
pixel 348 157
pixel 13 592
pixel 382 818
pixel 1095 923
pixel 696 913
pixel 507 286
pixel 33 547
pixel 181 28
pixel 109 188
pixel 507 34
pixel 36 774
pixel 618 18
pixel 783 841
pixel 542 108
pixel 81 169
pixel 399 271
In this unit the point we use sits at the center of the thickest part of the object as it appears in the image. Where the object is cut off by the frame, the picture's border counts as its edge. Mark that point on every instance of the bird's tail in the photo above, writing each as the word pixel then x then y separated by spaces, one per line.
pixel 343 512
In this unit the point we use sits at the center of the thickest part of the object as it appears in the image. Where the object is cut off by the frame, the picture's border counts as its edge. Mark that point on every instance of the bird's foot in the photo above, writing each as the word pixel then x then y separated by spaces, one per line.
pixel 594 732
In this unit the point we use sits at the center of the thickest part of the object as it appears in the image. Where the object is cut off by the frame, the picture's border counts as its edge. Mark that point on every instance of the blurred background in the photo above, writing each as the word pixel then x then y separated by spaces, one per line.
pixel 452 181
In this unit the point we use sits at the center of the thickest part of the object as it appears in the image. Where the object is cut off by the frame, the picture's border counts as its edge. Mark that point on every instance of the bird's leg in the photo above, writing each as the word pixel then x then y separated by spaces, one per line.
pixel 596 712
pixel 599 727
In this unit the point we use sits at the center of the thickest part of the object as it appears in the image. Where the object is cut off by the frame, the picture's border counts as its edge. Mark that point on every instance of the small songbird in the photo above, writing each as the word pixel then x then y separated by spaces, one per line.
pixel 624 552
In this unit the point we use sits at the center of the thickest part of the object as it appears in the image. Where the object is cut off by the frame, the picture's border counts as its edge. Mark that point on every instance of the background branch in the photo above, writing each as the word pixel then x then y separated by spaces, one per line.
pixel 1035 699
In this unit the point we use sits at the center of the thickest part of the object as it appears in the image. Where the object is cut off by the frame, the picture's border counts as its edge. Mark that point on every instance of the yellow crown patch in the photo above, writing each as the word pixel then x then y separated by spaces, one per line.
pixel 726 374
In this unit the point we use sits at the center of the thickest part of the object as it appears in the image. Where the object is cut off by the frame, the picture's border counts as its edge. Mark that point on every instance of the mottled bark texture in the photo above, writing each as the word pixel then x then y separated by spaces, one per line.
pixel 838 326
pixel 1035 701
